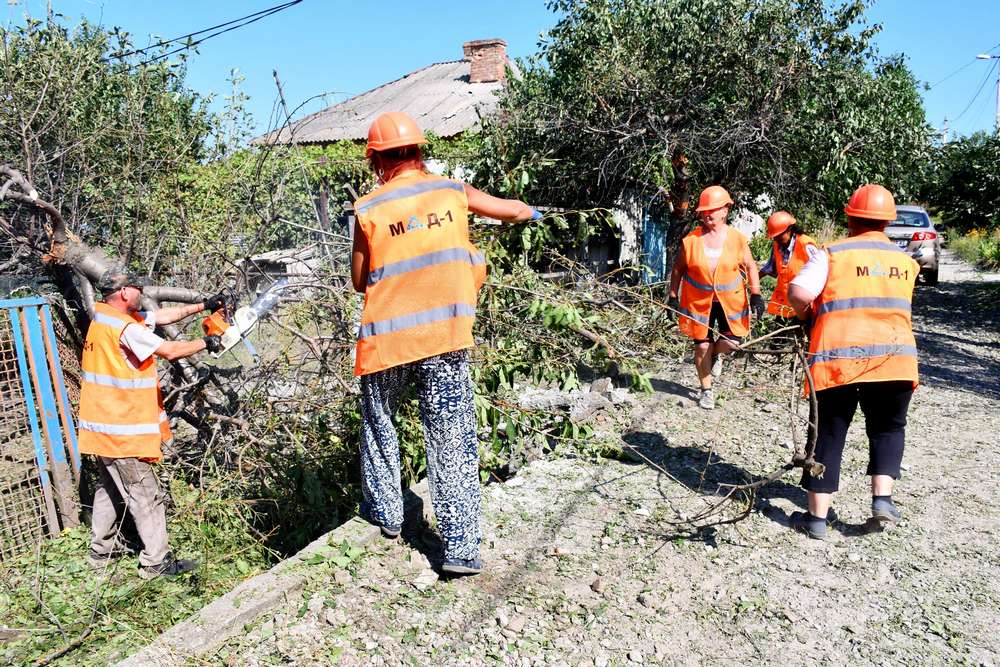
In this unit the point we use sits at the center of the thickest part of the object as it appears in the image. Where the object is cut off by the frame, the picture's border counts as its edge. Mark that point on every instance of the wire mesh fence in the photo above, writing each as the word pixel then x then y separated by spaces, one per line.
pixel 22 503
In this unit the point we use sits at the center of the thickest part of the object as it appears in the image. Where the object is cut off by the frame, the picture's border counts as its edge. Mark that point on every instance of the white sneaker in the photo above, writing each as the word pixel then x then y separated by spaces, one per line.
pixel 707 399
pixel 716 365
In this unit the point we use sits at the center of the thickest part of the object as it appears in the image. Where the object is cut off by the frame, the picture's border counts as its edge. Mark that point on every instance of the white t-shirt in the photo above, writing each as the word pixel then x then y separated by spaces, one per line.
pixel 812 278
pixel 138 341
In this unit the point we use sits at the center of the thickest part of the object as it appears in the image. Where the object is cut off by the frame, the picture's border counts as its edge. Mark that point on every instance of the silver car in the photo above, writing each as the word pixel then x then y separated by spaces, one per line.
pixel 914 232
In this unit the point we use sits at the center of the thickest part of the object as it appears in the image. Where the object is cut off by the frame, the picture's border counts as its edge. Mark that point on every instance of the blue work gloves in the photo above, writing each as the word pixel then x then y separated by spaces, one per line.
pixel 535 215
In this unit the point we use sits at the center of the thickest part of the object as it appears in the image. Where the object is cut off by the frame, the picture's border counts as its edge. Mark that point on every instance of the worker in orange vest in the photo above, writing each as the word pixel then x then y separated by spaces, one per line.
pixel 122 421
pixel 861 351
pixel 707 288
pixel 790 250
pixel 420 275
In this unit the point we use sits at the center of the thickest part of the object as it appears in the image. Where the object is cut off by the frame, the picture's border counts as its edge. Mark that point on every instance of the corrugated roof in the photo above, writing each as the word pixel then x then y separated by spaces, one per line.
pixel 439 97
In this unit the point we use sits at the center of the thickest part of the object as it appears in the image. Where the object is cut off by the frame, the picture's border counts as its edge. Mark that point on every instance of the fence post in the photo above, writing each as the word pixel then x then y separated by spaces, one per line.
pixel 69 510
pixel 29 400
pixel 65 410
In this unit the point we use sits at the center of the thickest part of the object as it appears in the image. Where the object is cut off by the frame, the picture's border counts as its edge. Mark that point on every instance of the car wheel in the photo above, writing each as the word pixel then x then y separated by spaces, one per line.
pixel 931 276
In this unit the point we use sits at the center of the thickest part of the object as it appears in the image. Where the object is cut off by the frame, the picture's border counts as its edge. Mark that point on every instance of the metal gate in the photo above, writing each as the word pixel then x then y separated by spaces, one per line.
pixel 38 481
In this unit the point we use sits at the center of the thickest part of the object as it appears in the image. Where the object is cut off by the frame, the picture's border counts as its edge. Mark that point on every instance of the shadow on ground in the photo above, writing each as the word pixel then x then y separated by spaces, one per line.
pixel 705 473
pixel 955 325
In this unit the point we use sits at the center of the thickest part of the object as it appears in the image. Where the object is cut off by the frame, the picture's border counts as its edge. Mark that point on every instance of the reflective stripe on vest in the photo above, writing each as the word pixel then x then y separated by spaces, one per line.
pixel 423 261
pixel 863 302
pixel 866 351
pixel 109 381
pixel 424 274
pixel 700 286
pixel 728 287
pixel 785 273
pixel 409 191
pixel 121 429
pixel 416 319
pixel 121 413
pixel 862 330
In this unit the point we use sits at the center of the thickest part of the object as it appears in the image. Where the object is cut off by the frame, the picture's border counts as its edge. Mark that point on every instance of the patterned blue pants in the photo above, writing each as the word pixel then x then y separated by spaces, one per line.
pixel 448 414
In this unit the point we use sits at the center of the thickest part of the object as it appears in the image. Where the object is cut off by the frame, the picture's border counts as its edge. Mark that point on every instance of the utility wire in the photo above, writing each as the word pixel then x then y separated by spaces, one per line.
pixel 989 74
pixel 966 65
pixel 219 29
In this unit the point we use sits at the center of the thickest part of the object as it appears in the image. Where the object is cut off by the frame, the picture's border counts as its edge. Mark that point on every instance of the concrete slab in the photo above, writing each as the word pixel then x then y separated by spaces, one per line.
pixel 219 620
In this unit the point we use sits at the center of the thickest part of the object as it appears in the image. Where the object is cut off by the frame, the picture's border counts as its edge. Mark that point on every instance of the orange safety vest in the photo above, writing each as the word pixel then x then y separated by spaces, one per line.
pixel 786 273
pixel 700 287
pixel 423 272
pixel 121 410
pixel 862 330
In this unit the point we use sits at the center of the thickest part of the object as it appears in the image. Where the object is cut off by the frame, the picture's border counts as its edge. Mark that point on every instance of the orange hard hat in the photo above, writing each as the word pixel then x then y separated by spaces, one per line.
pixel 393 129
pixel 713 197
pixel 873 202
pixel 778 223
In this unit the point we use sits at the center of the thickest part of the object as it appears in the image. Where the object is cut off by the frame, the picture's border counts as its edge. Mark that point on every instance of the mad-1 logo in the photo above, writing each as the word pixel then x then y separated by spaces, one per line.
pixel 414 223
pixel 878 271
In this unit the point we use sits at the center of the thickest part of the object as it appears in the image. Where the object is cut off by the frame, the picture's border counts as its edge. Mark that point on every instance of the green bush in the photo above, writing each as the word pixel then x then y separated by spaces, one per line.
pixel 982 250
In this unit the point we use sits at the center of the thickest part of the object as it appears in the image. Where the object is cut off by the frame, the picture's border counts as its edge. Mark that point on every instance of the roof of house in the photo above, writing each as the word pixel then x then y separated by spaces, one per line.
pixel 439 97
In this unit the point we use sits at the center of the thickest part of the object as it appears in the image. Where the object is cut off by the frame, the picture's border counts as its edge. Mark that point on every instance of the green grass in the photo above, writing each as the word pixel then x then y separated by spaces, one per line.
pixel 980 249
pixel 58 599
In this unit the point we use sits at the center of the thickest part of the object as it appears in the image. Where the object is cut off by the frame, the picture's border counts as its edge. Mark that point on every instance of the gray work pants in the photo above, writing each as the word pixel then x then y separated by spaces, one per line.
pixel 129 484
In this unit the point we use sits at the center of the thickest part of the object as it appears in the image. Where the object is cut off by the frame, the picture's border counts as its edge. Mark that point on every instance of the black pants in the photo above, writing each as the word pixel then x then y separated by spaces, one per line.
pixel 884 405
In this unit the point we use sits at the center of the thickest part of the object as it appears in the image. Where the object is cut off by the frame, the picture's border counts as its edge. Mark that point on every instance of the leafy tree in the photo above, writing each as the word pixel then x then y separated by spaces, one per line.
pixel 785 97
pixel 95 133
pixel 964 182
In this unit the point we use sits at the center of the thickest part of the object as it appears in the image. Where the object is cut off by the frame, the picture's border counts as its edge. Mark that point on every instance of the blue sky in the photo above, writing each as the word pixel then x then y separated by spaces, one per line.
pixel 344 48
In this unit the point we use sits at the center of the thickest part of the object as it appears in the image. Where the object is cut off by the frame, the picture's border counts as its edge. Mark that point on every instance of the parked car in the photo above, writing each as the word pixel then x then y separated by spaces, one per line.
pixel 914 232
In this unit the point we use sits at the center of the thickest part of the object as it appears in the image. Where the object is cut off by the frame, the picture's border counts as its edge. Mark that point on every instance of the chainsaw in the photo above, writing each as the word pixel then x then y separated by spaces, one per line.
pixel 232 326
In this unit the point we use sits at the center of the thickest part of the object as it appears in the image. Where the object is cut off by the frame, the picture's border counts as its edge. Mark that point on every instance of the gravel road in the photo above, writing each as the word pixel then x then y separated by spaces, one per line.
pixel 589 565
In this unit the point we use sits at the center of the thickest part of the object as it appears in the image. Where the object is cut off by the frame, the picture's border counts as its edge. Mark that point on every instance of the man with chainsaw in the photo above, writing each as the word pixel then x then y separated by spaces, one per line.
pixel 790 250
pixel 122 421
pixel 861 352
pixel 708 288
pixel 420 275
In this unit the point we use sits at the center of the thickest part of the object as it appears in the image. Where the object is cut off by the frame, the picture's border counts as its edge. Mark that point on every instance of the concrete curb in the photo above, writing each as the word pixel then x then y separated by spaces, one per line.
pixel 226 616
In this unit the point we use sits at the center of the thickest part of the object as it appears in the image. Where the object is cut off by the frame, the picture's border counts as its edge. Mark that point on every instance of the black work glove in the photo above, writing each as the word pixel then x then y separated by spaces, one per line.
pixel 757 305
pixel 213 344
pixel 216 301
pixel 675 305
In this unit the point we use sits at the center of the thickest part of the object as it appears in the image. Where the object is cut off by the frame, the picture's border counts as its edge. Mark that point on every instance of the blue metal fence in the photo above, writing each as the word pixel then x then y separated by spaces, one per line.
pixel 39 461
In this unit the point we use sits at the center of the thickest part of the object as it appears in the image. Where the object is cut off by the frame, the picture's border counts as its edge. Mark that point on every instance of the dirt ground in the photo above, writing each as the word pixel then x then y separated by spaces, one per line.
pixel 588 565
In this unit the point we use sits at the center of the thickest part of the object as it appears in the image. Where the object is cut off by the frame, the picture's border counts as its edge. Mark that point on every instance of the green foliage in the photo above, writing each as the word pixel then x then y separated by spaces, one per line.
pixel 978 248
pixel 122 611
pixel 97 134
pixel 963 183
pixel 765 96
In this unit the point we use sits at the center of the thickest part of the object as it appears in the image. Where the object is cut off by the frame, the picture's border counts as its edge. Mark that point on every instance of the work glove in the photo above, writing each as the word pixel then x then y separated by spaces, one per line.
pixel 216 301
pixel 757 305
pixel 535 215
pixel 213 344
pixel 675 305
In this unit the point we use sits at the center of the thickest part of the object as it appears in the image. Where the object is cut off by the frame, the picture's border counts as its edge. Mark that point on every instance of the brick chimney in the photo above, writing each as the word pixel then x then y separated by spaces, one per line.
pixel 487 59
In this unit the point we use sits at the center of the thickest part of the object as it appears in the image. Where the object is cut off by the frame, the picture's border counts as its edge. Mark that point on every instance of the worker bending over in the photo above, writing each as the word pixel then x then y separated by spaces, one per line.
pixel 420 275
pixel 790 250
pixel 707 288
pixel 122 420
pixel 861 351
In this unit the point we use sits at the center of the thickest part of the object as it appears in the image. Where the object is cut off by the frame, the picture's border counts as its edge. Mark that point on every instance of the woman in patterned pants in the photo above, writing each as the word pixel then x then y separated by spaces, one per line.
pixel 420 275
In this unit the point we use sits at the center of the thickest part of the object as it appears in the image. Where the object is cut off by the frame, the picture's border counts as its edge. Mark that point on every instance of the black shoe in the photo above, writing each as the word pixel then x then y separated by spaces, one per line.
pixel 885 511
pixel 389 532
pixel 462 566
pixel 170 567
pixel 803 522
pixel 102 562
